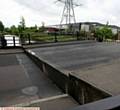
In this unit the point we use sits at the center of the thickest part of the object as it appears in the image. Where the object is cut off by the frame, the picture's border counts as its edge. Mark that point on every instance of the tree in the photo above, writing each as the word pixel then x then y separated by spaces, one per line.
pixel 1 26
pixel 36 27
pixel 14 30
pixel 20 30
pixel 104 32
pixel 42 28
pixel 7 30
pixel 22 24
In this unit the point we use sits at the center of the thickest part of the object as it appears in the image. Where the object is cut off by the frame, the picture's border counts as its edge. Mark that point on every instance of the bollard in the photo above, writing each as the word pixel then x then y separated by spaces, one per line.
pixel 14 41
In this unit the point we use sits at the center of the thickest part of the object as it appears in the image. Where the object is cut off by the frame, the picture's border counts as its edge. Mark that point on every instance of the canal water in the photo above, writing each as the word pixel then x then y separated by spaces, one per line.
pixel 10 41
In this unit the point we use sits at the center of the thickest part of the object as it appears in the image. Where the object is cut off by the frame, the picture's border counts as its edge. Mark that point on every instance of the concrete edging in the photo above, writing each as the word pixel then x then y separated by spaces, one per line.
pixel 80 90
pixel 83 92
pixel 59 78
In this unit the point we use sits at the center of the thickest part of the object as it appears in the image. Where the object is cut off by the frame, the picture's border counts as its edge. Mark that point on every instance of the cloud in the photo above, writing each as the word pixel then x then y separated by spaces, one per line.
pixel 36 11
pixel 42 7
pixel 11 12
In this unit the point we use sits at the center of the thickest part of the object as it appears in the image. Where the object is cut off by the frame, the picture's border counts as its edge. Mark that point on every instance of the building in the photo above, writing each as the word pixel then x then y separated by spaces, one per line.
pixel 88 28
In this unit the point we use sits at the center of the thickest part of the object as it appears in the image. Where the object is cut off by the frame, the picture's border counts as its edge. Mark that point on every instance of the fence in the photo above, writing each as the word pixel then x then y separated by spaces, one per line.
pixel 38 38
pixel 10 41
pixel 51 37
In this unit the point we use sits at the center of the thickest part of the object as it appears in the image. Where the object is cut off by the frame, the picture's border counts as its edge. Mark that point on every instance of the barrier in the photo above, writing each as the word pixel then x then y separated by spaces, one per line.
pixel 59 78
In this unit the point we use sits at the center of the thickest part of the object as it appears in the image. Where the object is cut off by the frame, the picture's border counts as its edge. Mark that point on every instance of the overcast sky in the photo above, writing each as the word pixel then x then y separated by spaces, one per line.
pixel 37 11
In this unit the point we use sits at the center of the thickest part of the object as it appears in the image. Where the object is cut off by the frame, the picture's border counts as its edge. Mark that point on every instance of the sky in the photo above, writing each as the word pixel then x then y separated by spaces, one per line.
pixel 49 12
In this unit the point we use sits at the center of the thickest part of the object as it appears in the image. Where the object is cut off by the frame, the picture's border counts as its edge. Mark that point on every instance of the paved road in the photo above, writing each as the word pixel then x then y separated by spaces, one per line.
pixel 21 81
pixel 95 63
pixel 18 73
pixel 62 103
pixel 78 56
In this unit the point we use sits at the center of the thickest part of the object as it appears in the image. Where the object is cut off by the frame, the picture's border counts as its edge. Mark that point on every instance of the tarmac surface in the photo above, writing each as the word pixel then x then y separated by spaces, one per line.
pixel 21 81
pixel 61 103
pixel 105 77
pixel 95 63
pixel 78 56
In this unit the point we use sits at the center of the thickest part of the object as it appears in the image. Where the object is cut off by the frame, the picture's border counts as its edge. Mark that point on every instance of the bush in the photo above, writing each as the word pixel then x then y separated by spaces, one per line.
pixel 104 33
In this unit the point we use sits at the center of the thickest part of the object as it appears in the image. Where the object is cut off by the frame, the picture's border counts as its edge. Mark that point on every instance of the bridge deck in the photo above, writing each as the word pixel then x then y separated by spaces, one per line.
pixel 95 63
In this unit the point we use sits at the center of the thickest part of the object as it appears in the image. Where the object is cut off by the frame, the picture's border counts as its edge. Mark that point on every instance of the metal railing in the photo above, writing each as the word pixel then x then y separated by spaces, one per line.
pixel 12 41
pixel 38 38
pixel 51 37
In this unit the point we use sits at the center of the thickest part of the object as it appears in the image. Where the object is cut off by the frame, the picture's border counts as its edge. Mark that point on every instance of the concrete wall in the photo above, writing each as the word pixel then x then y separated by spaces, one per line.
pixel 59 78
pixel 119 35
pixel 78 89
pixel 114 30
pixel 85 27
pixel 112 103
pixel 83 92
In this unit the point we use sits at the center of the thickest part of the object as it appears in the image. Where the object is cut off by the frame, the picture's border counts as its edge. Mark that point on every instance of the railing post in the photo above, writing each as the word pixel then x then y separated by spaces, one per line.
pixel 77 34
pixel 14 41
pixel 55 37
pixel 20 39
pixel 29 39
pixel 3 41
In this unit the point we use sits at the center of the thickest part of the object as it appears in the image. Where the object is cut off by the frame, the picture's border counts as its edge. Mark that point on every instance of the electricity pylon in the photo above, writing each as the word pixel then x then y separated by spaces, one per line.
pixel 68 12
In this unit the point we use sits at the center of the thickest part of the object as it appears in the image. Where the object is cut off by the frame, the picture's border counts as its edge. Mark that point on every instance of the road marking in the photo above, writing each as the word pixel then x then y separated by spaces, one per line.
pixel 20 62
pixel 40 100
